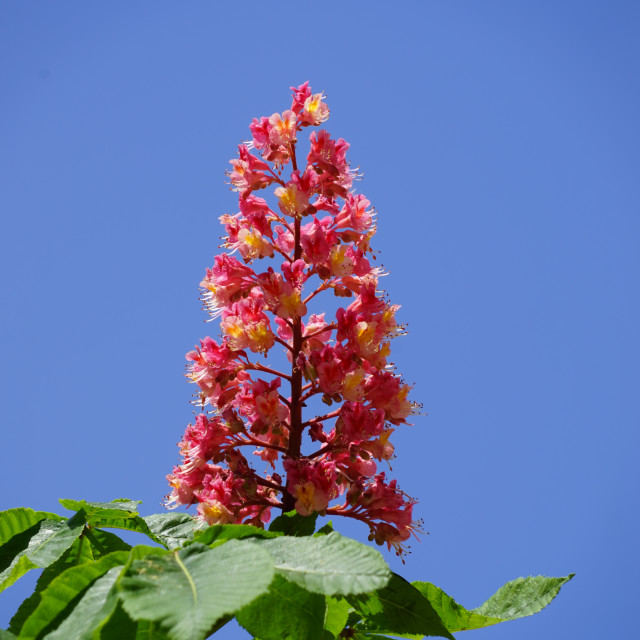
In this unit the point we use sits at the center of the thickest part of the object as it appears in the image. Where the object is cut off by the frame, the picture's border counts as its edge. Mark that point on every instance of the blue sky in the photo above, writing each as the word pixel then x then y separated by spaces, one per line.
pixel 499 142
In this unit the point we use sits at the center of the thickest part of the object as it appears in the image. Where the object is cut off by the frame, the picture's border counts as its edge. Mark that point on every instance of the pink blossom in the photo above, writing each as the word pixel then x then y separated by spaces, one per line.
pixel 312 482
pixel 321 232
pixel 300 95
pixel 246 325
pixel 314 111
pixel 282 128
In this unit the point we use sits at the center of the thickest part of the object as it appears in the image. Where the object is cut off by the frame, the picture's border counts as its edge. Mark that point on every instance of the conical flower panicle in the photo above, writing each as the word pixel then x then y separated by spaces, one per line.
pixel 315 239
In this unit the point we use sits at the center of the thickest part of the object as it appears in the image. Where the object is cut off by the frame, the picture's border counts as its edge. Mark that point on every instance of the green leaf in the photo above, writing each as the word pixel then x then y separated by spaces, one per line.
pixel 38 546
pixel 522 597
pixel 336 616
pixel 119 626
pixel 329 564
pixel 398 609
pixel 293 524
pixel 285 612
pixel 15 521
pixel 119 514
pixel 91 609
pixel 517 599
pixel 79 552
pixel 57 600
pixel 454 616
pixel 325 530
pixel 103 542
pixel 147 631
pixel 6 635
pixel 172 529
pixel 90 546
pixel 120 504
pixel 222 532
pixel 189 590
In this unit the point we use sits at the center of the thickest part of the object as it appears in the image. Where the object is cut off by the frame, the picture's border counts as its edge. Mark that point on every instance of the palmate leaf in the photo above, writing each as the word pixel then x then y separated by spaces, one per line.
pixel 189 590
pixel 398 609
pixel 331 564
pixel 285 612
pixel 38 546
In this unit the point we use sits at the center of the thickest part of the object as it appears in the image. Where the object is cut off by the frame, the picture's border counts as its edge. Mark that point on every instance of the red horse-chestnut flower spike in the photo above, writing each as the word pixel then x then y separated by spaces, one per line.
pixel 316 239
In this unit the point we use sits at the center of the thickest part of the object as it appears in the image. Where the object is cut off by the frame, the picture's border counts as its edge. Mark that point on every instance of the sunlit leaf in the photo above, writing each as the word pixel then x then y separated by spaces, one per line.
pixel 15 521
pixel 221 532
pixel 172 529
pixel 38 546
pixel 328 564
pixel 336 615
pixel 119 514
pixel 65 590
pixel 189 590
pixel 93 607
pixel 398 609
pixel 79 552
pixel 522 597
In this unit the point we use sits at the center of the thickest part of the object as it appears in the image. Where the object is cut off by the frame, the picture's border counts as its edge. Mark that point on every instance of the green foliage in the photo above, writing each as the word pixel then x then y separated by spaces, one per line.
pixel 522 597
pixel 65 590
pixel 119 514
pixel 189 590
pixel 285 612
pixel 293 524
pixel 398 609
pixel 336 615
pixel 332 564
pixel 82 550
pixel 16 521
pixel 219 533
pixel 172 529
pixel 516 599
pixel 287 583
pixel 37 546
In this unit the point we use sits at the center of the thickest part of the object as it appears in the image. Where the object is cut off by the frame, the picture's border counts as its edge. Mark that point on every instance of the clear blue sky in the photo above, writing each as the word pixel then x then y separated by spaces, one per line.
pixel 500 145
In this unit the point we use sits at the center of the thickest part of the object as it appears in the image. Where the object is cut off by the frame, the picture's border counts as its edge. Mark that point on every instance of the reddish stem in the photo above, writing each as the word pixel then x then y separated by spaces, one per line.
pixel 259 367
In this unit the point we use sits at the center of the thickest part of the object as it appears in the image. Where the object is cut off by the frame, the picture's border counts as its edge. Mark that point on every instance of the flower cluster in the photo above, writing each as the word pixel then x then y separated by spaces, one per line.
pixel 319 234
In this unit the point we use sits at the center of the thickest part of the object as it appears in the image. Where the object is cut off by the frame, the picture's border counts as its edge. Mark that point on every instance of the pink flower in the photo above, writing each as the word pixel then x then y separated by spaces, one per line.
pixel 320 234
pixel 312 482
pixel 355 213
pixel 300 95
pixel 314 111
pixel 249 172
pixel 246 325
pixel 282 128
